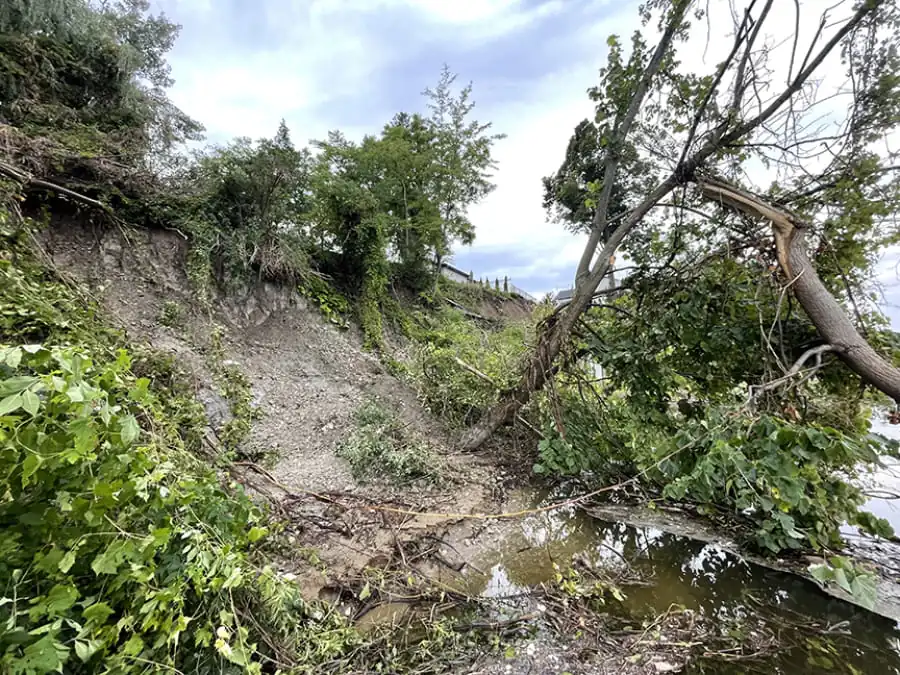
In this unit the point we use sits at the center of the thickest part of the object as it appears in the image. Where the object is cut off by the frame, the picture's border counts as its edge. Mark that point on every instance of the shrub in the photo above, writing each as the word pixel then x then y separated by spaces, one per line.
pixel 379 446
pixel 451 390
pixel 117 547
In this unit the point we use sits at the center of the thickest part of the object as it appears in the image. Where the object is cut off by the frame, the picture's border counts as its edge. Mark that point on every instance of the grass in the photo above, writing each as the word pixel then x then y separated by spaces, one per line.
pixel 380 447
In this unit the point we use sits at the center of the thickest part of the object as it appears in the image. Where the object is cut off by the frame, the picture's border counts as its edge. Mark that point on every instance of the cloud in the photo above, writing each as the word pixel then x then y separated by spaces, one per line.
pixel 241 67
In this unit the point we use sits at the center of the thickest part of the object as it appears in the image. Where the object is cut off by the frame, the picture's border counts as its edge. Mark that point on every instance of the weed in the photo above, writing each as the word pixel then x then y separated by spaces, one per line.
pixel 236 390
pixel 329 301
pixel 380 446
pixel 171 315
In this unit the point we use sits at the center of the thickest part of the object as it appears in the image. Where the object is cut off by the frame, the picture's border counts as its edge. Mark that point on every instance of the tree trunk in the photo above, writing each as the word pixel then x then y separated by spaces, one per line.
pixel 822 308
pixel 553 334
pixel 834 324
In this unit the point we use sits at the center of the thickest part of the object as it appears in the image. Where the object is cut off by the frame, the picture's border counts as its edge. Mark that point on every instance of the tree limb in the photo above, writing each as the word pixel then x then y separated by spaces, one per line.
pixel 818 352
pixel 826 314
pixel 623 128
pixel 27 179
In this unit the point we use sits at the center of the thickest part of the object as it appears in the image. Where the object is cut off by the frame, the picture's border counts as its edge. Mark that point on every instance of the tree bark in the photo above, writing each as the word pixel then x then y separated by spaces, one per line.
pixel 822 308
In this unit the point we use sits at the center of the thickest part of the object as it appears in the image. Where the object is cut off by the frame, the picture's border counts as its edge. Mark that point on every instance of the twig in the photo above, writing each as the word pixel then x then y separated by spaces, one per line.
pixel 756 390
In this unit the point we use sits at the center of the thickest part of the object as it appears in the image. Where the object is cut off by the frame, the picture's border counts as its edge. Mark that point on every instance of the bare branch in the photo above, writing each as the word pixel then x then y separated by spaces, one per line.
pixel 27 179
pixel 720 72
pixel 818 352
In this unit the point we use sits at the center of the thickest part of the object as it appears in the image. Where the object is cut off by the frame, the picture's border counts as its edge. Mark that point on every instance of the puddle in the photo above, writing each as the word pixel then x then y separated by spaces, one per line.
pixel 699 576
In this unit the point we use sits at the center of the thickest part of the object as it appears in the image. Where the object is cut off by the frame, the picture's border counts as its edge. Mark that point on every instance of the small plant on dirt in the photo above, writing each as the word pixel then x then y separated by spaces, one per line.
pixel 380 447
pixel 333 306
pixel 171 315
pixel 236 390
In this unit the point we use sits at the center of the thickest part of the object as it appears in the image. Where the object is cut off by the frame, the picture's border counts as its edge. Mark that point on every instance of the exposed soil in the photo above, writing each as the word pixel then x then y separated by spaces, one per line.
pixel 307 377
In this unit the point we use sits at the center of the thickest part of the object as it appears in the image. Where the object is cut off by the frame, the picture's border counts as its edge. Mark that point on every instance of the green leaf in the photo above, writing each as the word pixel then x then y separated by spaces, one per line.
pixel 30 402
pixel 13 357
pixel 104 563
pixel 10 404
pixel 43 656
pixel 820 573
pixel 134 645
pixel 29 466
pixel 68 560
pixel 365 592
pixel 256 533
pixel 85 650
pixel 840 578
pixel 98 613
pixel 60 598
pixel 130 429
pixel 864 590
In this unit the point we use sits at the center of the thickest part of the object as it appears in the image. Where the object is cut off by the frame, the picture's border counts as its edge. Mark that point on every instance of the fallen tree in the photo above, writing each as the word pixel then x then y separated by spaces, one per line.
pixel 643 104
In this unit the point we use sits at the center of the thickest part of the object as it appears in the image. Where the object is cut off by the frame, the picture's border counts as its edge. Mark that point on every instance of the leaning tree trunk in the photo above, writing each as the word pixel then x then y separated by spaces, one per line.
pixel 553 335
pixel 825 312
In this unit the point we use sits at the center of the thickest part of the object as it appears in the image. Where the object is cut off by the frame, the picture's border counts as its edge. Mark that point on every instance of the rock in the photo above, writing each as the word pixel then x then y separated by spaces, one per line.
pixel 218 411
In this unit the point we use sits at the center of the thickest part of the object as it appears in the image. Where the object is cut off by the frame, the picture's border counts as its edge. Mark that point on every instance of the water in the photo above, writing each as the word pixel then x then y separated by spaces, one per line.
pixel 700 577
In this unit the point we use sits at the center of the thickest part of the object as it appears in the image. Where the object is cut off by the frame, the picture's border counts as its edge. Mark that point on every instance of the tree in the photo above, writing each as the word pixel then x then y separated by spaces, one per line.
pixel 695 135
pixel 407 150
pixel 251 206
pixel 90 79
pixel 463 154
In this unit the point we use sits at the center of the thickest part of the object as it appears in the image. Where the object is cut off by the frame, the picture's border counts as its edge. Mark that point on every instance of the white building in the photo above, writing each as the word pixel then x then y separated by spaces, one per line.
pixel 455 274
pixel 562 297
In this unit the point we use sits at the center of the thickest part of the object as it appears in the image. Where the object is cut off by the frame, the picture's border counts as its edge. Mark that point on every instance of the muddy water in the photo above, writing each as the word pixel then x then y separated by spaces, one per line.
pixel 698 576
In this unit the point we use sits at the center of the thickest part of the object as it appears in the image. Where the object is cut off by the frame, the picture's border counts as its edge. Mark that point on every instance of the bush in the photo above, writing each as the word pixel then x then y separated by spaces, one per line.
pixel 784 484
pixel 449 389
pixel 117 547
pixel 171 315
pixel 379 446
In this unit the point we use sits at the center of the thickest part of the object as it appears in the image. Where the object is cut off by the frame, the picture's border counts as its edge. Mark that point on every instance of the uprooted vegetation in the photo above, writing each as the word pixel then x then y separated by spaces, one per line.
pixel 129 541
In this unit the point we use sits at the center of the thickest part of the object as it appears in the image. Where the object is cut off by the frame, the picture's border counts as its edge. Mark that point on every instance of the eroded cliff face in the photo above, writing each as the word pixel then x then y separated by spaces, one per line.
pixel 307 378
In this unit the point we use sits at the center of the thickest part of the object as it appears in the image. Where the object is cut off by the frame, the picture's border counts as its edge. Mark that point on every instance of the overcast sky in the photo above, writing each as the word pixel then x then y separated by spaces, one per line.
pixel 242 66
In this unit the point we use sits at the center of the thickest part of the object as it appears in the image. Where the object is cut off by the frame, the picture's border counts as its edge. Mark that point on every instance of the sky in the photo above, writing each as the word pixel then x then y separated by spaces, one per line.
pixel 241 66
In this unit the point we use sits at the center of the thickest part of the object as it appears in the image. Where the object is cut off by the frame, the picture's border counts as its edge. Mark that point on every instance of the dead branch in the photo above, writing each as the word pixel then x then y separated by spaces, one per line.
pixel 28 179
pixel 794 370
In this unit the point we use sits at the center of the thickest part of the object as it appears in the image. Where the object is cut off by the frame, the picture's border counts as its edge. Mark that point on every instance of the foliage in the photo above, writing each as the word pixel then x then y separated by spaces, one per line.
pixel 785 485
pixel 91 78
pixel 236 390
pixel 463 155
pixel 449 389
pixel 171 314
pixel 333 306
pixel 245 209
pixel 113 541
pixel 843 573
pixel 379 447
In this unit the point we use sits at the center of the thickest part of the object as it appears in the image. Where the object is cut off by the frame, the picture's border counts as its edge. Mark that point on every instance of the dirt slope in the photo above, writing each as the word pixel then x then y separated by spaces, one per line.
pixel 307 379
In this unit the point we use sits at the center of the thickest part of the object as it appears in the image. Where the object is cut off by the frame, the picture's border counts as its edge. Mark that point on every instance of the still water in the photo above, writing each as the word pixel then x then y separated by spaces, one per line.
pixel 701 577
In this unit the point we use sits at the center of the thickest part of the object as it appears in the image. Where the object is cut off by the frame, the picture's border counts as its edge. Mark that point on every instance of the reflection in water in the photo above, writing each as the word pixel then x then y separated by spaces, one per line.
pixel 701 577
